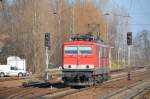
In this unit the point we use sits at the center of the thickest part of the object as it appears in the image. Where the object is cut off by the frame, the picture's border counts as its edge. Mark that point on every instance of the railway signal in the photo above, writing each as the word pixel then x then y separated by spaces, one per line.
pixel 129 43
pixel 129 38
pixel 47 46
pixel 47 40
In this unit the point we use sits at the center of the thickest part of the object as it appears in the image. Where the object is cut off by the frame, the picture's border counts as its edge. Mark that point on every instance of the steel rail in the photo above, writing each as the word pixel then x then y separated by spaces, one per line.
pixel 124 90
pixel 73 91
pixel 64 91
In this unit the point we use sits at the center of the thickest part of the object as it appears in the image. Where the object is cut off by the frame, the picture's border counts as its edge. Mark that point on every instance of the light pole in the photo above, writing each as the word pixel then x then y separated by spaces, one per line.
pixel 59 40
pixel 107 31
pixel 57 12
pixel 72 19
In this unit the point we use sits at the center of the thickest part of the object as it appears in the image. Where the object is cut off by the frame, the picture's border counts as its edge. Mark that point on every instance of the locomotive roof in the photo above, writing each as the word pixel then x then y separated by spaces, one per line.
pixel 86 42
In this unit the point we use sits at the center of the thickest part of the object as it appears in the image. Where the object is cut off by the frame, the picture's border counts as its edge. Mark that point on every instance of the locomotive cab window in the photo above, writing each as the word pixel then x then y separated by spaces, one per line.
pixel 71 50
pixel 85 50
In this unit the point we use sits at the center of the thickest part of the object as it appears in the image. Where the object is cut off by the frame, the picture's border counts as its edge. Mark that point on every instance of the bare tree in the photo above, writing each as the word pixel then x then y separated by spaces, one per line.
pixel 141 48
pixel 26 21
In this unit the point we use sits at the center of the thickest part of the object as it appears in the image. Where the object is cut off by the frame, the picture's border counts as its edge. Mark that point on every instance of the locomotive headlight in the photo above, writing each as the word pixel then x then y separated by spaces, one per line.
pixel 69 66
pixel 87 66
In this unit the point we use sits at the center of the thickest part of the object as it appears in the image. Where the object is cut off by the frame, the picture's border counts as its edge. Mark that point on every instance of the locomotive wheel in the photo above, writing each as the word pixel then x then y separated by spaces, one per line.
pixel 105 77
pixel 95 79
pixel 100 79
pixel 91 80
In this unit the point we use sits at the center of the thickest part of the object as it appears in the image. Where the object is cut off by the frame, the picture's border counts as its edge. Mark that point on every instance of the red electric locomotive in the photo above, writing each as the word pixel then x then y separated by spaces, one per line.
pixel 85 61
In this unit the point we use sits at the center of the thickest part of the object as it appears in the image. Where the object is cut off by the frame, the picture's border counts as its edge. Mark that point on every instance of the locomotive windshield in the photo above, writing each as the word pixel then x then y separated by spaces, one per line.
pixel 71 50
pixel 85 50
pixel 78 50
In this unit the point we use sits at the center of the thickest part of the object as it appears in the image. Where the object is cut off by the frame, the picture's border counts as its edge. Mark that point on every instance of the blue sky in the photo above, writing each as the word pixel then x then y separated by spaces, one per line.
pixel 139 12
pixel 11 1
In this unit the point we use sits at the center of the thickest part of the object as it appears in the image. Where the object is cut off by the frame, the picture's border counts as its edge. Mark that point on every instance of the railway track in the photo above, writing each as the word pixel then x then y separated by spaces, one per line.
pixel 113 86
pixel 128 92
pixel 5 90
pixel 143 95
pixel 8 93
pixel 19 94
pixel 64 93
pixel 34 93
pixel 28 92
pixel 52 93
pixel 2 79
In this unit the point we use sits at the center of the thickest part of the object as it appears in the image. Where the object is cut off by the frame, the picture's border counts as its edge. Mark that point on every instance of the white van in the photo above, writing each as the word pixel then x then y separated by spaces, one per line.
pixel 14 67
